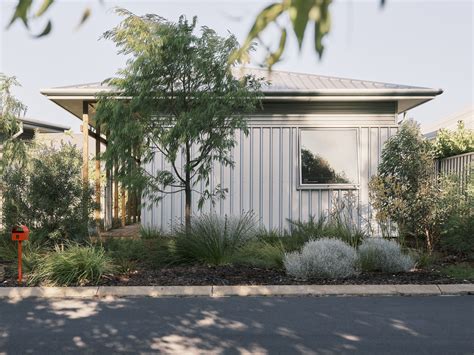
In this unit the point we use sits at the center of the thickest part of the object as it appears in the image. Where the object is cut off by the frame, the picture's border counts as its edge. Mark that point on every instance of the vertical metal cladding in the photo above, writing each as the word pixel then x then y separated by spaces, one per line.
pixel 265 176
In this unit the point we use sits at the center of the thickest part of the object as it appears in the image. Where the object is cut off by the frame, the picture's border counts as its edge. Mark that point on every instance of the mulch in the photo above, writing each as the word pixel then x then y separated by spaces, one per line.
pixel 246 275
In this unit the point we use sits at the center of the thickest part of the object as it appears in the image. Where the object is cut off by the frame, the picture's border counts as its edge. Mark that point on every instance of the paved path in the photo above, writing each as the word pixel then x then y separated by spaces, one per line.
pixel 239 325
pixel 130 231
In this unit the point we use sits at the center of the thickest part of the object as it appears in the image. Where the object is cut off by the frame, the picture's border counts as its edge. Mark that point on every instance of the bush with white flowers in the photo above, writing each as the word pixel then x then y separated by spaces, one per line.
pixel 377 254
pixel 324 257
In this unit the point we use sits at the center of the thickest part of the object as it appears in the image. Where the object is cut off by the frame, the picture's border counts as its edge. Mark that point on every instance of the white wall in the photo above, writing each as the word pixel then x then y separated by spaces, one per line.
pixel 265 176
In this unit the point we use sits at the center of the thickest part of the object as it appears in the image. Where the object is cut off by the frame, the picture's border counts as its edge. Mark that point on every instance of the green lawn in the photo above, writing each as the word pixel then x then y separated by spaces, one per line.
pixel 462 271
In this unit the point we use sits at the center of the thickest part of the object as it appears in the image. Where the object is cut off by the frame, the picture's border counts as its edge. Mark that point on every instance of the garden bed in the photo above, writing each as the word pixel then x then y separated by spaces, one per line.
pixel 244 275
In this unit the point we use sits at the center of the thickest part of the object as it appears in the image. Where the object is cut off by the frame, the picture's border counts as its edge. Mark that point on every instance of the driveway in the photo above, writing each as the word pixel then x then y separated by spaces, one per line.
pixel 240 325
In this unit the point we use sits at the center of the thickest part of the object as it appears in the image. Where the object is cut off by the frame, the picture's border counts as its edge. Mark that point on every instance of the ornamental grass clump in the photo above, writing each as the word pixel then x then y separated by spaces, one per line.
pixel 322 258
pixel 261 253
pixel 213 240
pixel 73 264
pixel 377 254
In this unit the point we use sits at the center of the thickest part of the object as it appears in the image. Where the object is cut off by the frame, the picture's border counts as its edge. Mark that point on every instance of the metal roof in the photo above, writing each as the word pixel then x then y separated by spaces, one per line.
pixel 278 86
pixel 43 126
pixel 283 83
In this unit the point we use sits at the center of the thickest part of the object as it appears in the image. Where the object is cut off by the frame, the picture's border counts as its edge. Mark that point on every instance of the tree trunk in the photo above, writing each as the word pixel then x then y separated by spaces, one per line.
pixel 187 214
pixel 429 242
pixel 187 188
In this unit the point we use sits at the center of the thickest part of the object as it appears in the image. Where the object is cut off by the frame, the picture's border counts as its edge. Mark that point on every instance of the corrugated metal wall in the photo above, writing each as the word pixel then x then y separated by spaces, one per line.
pixel 265 176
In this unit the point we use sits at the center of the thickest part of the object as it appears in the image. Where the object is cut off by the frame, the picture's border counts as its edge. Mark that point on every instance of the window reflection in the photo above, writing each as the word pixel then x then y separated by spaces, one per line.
pixel 329 156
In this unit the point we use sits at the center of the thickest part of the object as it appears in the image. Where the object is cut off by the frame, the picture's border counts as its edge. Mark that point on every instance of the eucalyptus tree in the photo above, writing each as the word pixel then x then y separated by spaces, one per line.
pixel 178 96
pixel 12 149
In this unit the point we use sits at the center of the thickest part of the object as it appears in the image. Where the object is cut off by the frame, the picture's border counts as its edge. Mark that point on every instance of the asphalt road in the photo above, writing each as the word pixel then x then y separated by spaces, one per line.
pixel 257 325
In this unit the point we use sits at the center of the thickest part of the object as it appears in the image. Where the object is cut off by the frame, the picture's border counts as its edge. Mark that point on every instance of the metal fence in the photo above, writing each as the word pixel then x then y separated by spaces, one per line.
pixel 460 165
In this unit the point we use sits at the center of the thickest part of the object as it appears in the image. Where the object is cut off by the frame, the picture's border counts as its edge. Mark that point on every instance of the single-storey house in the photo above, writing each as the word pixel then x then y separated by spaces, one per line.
pixel 316 139
pixel 31 127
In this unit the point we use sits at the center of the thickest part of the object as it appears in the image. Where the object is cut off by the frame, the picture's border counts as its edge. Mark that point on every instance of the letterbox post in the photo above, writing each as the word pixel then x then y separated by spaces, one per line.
pixel 20 233
pixel 20 253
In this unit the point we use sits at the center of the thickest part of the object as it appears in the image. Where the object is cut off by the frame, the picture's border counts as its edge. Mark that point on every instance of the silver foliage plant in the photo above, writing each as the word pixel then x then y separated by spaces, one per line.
pixel 325 258
pixel 377 254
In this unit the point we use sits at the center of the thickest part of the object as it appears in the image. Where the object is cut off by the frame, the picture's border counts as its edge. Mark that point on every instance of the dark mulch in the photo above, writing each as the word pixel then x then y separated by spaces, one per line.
pixel 244 275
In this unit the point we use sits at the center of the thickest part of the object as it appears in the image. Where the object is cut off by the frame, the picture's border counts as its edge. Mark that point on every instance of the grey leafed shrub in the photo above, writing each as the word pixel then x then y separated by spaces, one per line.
pixel 322 258
pixel 72 265
pixel 377 254
pixel 212 239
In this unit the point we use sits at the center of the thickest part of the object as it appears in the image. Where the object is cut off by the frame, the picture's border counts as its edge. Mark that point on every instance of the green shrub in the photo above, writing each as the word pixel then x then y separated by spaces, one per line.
pixel 301 232
pixel 448 143
pixel 73 265
pixel 458 235
pixel 377 254
pixel 8 248
pixel 150 232
pixel 404 190
pixel 260 253
pixel 423 259
pixel 462 271
pixel 127 254
pixel 48 195
pixel 212 239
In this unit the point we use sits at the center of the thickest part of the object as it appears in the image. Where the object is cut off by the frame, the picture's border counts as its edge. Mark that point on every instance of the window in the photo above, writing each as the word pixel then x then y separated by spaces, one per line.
pixel 329 157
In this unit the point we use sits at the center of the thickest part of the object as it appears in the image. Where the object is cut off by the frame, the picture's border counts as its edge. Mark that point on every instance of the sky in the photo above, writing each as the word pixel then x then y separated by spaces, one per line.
pixel 422 43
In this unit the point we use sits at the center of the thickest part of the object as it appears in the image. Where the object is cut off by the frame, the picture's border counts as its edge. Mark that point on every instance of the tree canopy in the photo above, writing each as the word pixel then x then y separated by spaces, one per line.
pixel 448 143
pixel 180 96
pixel 300 13
pixel 12 149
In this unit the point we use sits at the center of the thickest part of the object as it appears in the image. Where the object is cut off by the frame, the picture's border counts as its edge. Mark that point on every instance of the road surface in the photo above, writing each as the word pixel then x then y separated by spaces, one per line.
pixel 240 325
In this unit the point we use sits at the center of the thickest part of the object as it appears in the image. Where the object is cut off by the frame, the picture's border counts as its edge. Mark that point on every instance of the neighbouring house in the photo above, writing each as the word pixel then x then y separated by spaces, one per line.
pixel 430 130
pixel 462 164
pixel 32 126
pixel 317 140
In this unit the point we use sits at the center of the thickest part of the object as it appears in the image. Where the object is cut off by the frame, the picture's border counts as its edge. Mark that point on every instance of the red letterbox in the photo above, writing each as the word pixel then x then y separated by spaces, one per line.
pixel 20 233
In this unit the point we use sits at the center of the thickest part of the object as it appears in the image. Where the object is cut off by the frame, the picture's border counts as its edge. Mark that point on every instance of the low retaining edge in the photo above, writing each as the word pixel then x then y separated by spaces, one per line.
pixel 223 291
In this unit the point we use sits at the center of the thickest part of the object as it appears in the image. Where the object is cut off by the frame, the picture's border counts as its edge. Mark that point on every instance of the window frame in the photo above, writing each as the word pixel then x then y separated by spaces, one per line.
pixel 333 186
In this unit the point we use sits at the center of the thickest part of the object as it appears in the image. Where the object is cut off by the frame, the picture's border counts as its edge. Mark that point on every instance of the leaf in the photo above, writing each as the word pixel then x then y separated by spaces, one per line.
pixel 21 12
pixel 299 14
pixel 263 19
pixel 46 30
pixel 322 27
pixel 44 7
pixel 275 56
pixel 85 16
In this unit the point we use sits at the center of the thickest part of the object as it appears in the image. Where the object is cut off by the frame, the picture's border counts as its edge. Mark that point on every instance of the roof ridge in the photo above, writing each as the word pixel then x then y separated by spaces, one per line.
pixel 333 77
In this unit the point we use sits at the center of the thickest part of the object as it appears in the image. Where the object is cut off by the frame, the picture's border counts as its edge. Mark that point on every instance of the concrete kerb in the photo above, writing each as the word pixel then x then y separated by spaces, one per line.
pixel 224 291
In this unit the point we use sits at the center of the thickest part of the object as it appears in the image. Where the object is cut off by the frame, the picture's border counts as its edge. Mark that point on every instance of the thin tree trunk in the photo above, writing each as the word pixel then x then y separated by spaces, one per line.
pixel 188 207
pixel 429 243
pixel 187 189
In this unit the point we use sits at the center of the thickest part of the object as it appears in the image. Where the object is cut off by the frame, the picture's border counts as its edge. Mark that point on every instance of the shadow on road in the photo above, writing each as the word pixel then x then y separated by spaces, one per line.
pixel 256 325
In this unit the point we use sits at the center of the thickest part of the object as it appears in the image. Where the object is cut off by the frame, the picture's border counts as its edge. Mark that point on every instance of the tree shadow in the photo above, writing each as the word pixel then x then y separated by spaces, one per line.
pixel 237 325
